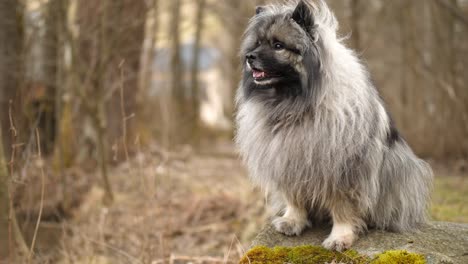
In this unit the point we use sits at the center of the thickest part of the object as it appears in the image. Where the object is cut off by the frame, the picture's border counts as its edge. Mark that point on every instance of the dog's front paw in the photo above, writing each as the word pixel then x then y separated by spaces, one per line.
pixel 289 226
pixel 339 242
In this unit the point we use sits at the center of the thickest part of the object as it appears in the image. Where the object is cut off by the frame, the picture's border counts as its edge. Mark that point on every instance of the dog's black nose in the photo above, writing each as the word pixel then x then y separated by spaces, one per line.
pixel 251 56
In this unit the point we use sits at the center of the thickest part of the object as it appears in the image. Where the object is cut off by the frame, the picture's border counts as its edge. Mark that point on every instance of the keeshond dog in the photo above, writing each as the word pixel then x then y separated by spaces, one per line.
pixel 316 135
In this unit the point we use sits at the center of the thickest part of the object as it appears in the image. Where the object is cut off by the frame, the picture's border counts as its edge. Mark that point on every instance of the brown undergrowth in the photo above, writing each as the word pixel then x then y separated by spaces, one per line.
pixel 170 207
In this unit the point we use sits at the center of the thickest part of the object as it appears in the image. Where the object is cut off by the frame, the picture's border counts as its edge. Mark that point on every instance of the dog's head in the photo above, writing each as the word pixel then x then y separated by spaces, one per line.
pixel 281 51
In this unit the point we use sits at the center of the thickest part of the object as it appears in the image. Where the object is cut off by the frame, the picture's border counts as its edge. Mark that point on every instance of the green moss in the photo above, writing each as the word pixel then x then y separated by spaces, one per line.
pixel 319 255
pixel 301 255
pixel 399 257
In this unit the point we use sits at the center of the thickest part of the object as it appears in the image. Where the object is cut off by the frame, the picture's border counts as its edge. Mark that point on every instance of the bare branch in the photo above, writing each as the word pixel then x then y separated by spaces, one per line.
pixel 457 13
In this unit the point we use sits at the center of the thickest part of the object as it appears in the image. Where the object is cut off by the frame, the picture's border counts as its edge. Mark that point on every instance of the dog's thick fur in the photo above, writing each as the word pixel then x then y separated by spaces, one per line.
pixel 315 134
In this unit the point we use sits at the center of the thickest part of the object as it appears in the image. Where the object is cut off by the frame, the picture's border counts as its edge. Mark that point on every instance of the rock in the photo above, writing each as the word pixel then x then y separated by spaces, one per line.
pixel 439 242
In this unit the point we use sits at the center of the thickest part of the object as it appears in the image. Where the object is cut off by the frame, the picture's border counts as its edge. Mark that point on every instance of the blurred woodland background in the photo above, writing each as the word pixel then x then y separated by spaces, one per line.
pixel 117 121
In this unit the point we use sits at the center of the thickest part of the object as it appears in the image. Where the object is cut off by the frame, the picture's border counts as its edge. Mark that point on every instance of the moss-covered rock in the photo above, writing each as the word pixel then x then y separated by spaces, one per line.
pixel 439 243
pixel 300 255
pixel 319 255
pixel 399 257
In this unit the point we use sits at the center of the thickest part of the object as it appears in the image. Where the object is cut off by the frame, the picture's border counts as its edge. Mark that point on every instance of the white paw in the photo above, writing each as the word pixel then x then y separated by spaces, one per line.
pixel 339 242
pixel 289 226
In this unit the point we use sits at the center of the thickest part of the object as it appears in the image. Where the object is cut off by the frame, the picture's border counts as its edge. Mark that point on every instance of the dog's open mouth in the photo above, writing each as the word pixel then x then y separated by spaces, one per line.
pixel 260 75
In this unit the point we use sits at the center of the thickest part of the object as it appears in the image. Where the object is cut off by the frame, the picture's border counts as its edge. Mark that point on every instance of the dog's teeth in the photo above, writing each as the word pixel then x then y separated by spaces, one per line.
pixel 258 74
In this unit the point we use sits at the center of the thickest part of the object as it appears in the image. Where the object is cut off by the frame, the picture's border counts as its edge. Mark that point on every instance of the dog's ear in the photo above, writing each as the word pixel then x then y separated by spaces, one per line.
pixel 259 9
pixel 303 15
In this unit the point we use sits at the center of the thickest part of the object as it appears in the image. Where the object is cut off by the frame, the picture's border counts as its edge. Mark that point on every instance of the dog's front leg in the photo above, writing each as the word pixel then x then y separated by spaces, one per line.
pixel 293 222
pixel 346 225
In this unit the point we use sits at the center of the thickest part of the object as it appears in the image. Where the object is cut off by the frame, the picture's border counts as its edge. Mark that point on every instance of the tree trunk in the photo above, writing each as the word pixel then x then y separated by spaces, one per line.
pixel 176 64
pixel 178 129
pixel 126 32
pixel 195 82
pixel 63 156
pixel 11 43
pixel 449 109
pixel 148 52
pixel 109 46
pixel 234 15
pixel 145 116
pixel 356 10
pixel 47 125
pixel 412 109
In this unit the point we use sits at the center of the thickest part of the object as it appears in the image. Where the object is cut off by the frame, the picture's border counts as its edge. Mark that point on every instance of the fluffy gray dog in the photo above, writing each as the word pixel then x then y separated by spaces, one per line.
pixel 315 134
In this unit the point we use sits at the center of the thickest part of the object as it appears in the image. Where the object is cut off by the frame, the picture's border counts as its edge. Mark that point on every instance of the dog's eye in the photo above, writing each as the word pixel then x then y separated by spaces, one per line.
pixel 278 46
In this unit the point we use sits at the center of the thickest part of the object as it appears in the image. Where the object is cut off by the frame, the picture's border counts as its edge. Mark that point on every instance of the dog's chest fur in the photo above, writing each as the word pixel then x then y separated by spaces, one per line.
pixel 297 155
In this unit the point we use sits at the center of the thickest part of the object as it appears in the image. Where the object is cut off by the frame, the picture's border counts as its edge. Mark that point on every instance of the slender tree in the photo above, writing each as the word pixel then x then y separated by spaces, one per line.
pixel 176 64
pixel 356 13
pixel 50 63
pixel 126 33
pixel 444 71
pixel 11 68
pixel 179 133
pixel 149 51
pixel 201 7
pixel 144 109
pixel 11 42
pixel 106 48
pixel 63 143
pixel 234 15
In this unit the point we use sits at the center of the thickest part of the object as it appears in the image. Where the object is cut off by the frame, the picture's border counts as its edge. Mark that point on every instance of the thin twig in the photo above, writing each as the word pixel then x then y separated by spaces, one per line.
pixel 13 227
pixel 226 257
pixel 10 116
pixel 457 13
pixel 10 195
pixel 41 166
pixel 115 249
pixel 122 111
pixel 242 249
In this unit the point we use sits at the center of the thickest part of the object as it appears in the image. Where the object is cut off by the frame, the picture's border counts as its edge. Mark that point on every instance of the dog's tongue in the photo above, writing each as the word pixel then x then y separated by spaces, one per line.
pixel 258 74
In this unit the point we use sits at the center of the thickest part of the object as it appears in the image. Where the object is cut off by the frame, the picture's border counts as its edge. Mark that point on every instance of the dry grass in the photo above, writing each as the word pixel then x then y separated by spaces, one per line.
pixel 169 208
pixel 177 207
pixel 450 198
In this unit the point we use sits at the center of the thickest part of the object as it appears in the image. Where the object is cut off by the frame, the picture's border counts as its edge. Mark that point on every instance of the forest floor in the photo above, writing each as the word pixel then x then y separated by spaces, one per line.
pixel 177 207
